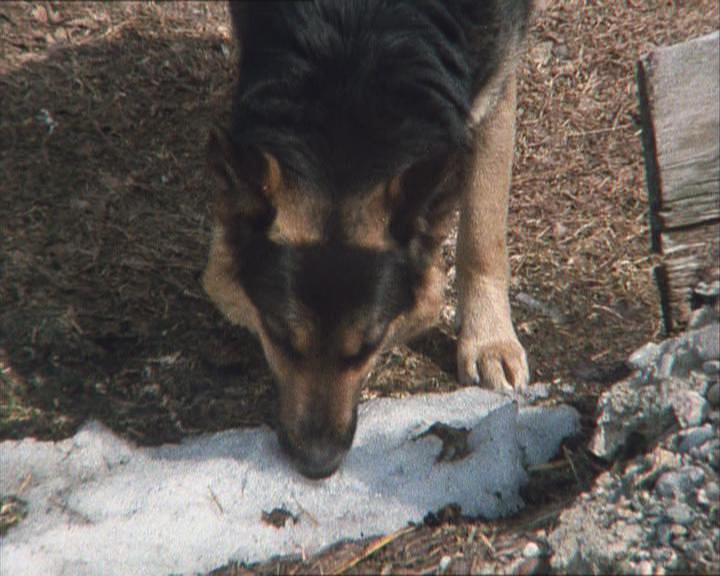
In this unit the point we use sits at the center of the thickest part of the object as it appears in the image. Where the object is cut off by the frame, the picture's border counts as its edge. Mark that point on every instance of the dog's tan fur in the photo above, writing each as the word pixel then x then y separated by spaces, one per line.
pixel 220 285
pixel 488 349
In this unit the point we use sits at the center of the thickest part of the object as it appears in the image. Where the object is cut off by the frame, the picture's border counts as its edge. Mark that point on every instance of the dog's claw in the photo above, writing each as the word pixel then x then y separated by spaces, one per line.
pixel 500 365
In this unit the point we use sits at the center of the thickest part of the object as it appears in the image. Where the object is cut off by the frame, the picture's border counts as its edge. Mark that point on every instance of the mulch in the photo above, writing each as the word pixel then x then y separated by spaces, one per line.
pixel 104 204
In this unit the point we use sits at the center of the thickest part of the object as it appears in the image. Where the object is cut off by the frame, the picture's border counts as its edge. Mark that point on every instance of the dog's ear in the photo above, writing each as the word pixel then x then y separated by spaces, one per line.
pixel 249 178
pixel 422 199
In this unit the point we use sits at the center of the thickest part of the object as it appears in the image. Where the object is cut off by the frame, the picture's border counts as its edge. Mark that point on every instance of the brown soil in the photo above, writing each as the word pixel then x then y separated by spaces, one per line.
pixel 104 111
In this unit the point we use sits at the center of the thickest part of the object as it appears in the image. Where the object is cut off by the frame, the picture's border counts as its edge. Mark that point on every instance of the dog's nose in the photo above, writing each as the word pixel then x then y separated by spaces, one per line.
pixel 317 452
pixel 320 458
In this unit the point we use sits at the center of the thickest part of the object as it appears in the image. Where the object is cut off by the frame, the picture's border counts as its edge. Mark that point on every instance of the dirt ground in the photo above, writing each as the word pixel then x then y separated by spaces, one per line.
pixel 104 211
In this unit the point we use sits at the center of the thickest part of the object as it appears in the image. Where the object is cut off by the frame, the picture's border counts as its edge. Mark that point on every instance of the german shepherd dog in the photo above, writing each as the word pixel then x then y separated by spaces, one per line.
pixel 358 128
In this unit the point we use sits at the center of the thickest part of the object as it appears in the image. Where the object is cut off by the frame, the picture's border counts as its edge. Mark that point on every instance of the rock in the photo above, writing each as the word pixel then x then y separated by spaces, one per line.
pixel 668 381
pixel 708 291
pixel 625 410
pixel 712 489
pixel 531 550
pixel 660 513
pixel 706 341
pixel 677 362
pixel 690 408
pixel 444 564
pixel 711 367
pixel 678 483
pixel 664 534
pixel 709 452
pixel 694 437
pixel 528 566
pixel 535 392
pixel 713 395
pixel 644 356
pixel 583 543
pixel 680 514
pixel 702 498
pixel 567 388
pixel 701 317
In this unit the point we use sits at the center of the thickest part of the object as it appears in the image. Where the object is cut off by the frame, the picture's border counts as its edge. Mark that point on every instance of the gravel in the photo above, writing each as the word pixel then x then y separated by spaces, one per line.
pixel 657 512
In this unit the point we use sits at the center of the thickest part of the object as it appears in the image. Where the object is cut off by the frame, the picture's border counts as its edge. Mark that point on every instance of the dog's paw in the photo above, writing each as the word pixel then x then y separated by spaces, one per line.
pixel 500 365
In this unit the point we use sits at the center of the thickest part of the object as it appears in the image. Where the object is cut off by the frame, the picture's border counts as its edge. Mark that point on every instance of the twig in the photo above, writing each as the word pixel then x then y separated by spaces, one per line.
pixel 487 542
pixel 215 499
pixel 609 311
pixel 304 511
pixel 598 131
pixel 572 465
pixel 25 483
pixel 548 466
pixel 372 548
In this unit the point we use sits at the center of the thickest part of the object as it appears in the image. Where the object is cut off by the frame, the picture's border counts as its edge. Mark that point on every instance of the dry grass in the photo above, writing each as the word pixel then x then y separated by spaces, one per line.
pixel 105 108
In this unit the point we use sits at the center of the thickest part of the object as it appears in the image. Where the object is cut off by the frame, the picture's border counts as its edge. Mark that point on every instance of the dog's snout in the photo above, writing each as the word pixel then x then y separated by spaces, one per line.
pixel 320 458
pixel 317 450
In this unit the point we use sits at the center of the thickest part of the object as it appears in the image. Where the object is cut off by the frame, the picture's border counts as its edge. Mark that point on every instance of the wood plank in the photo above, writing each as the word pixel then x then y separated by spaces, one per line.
pixel 679 90
pixel 685 263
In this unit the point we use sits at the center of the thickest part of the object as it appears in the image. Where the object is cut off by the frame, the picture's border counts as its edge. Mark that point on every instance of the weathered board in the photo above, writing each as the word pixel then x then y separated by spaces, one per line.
pixel 679 89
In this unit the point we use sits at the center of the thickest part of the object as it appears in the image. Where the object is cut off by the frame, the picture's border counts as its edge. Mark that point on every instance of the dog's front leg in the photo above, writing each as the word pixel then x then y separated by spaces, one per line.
pixel 489 352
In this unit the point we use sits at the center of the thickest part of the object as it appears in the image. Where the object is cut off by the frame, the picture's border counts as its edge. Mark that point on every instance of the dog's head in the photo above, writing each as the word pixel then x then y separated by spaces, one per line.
pixel 325 282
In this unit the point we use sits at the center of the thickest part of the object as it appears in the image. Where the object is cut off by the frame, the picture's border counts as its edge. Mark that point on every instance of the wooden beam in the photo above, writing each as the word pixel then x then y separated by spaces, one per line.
pixel 679 91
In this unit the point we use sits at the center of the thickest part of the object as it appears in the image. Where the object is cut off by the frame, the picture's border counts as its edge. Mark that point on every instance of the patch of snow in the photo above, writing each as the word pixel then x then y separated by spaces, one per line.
pixel 99 505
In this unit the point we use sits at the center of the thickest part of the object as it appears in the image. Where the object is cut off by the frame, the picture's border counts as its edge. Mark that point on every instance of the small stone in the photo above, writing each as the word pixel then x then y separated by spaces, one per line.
pixel 642 555
pixel 678 483
pixel 693 437
pixel 710 452
pixel 567 389
pixel 644 357
pixel 712 489
pixel 680 513
pixel 530 566
pixel 711 367
pixel 531 550
pixel 645 568
pixel 680 355
pixel 538 391
pixel 701 317
pixel 678 530
pixel 706 342
pixel 713 395
pixel 708 291
pixel 701 498
pixel 666 558
pixel 444 564
pixel 664 534
pixel 690 408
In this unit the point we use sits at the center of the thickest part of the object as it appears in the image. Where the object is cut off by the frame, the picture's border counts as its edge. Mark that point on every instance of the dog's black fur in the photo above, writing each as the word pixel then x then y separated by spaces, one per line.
pixel 347 93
